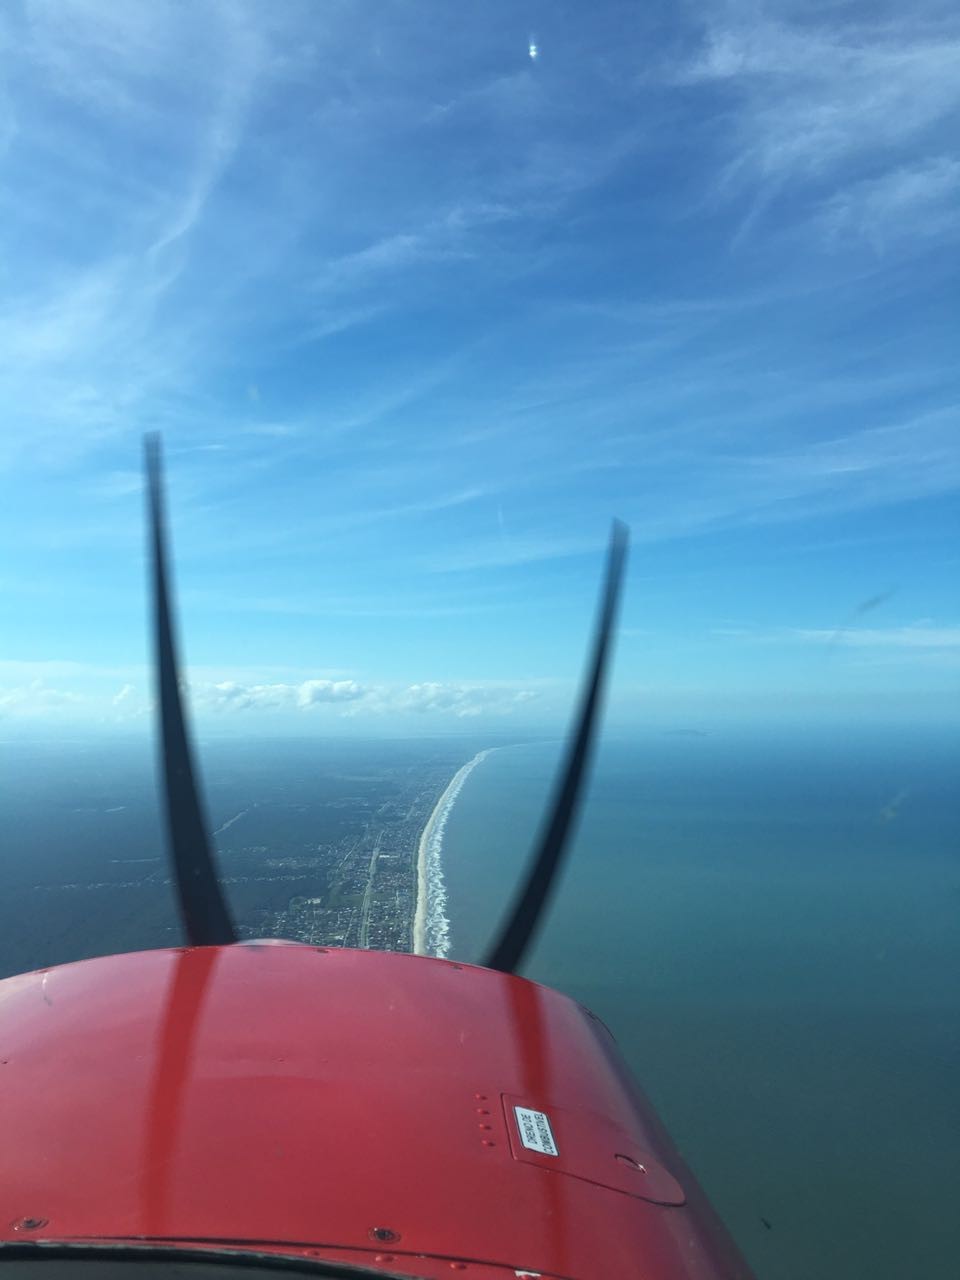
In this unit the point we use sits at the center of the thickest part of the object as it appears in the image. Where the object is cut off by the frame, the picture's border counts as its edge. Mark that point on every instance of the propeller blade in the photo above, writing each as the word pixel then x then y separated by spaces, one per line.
pixel 516 934
pixel 206 919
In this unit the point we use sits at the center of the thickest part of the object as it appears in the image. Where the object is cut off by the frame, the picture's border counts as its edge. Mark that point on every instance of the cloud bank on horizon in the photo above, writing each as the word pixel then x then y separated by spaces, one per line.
pixel 419 304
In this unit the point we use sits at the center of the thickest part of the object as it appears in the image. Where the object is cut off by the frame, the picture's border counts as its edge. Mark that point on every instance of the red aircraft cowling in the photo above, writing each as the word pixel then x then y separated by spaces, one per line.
pixel 380 1108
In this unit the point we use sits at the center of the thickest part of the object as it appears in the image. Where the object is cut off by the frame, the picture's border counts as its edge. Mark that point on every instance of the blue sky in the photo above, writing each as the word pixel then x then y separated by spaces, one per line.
pixel 420 295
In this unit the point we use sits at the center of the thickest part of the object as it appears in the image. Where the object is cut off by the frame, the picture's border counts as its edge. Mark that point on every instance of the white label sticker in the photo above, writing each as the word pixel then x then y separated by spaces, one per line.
pixel 535 1131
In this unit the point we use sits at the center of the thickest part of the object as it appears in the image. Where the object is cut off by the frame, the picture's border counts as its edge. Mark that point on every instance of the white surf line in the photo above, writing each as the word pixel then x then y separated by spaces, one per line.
pixel 230 821
pixel 430 923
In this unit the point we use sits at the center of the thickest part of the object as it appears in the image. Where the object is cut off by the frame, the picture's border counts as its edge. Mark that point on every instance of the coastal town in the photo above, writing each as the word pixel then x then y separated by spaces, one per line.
pixel 318 843
pixel 369 874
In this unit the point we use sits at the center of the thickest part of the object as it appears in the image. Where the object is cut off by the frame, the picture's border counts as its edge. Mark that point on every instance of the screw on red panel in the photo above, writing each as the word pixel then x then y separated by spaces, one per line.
pixel 384 1234
pixel 30 1224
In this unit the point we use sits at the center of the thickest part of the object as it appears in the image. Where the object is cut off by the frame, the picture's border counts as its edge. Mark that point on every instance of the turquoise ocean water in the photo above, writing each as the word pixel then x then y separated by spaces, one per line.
pixel 770 927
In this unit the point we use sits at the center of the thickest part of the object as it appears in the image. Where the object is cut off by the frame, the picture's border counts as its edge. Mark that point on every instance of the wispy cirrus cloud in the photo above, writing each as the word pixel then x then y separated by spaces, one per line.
pixel 914 640
pixel 446 237
pixel 85 348
pixel 898 459
pixel 914 203
pixel 497 552
pixel 378 261
pixel 126 127
pixel 915 636
pixel 840 98
pixel 419 313
pixel 813 94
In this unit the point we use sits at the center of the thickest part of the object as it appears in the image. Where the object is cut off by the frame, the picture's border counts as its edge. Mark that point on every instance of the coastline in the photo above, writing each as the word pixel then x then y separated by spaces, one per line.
pixel 430 924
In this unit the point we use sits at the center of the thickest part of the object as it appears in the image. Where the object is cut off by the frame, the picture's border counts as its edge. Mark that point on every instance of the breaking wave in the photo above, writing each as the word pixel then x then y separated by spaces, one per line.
pixel 435 939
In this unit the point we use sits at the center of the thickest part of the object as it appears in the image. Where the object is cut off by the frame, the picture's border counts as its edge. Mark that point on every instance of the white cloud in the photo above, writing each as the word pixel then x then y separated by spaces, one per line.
pixel 393 253
pixel 837 102
pixel 812 95
pixel 901 460
pixel 313 691
pixel 915 636
pixel 458 699
pixel 123 120
pixel 114 61
pixel 499 552
pixel 913 643
pixel 449 235
pixel 36 699
pixel 231 695
pixel 913 202
pixel 273 430
pixel 118 484
pixel 124 696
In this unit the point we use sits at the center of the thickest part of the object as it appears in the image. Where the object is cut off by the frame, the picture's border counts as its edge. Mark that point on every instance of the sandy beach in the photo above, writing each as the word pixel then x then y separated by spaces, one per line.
pixel 428 852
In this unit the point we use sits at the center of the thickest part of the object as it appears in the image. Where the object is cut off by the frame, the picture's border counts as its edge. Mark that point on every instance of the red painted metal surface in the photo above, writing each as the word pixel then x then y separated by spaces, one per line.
pixel 345 1104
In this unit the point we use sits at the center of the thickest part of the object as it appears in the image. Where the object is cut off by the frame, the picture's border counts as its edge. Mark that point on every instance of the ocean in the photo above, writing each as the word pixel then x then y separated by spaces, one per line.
pixel 768 922
pixel 770 925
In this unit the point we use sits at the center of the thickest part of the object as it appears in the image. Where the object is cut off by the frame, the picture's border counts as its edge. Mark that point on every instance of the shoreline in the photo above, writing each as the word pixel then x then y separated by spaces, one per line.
pixel 428 859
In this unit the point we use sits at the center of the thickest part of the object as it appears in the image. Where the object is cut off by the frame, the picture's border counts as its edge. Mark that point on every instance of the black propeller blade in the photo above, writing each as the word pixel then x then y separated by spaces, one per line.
pixel 206 919
pixel 519 929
